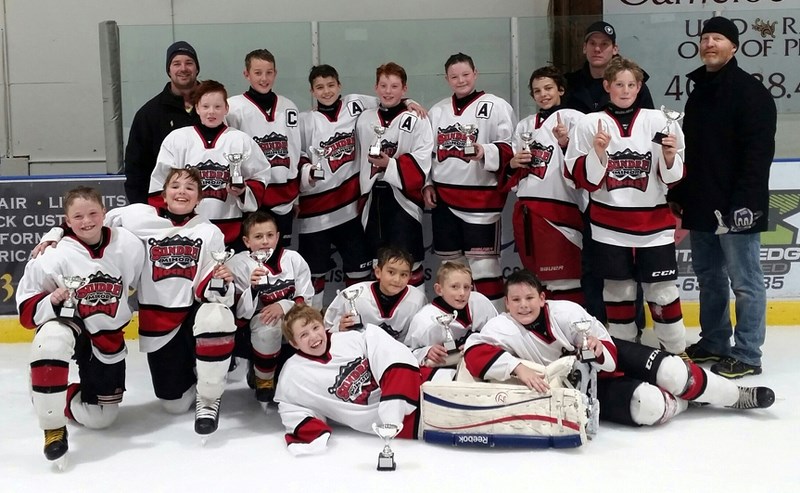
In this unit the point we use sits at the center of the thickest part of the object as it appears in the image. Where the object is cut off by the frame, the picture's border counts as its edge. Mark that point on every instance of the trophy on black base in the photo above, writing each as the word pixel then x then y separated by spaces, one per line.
pixel 527 140
pixel 320 154
pixel 375 147
pixel 387 432
pixel 220 257
pixel 261 256
pixel 351 295
pixel 235 160
pixel 72 283
pixel 672 116
pixel 585 353
pixel 469 130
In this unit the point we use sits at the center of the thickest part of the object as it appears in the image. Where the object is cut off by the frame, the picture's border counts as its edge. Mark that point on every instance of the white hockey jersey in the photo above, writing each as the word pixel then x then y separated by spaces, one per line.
pixel 334 200
pixel 277 134
pixel 395 321
pixel 288 281
pixel 628 196
pixel 363 378
pixel 495 351
pixel 408 143
pixel 186 147
pixel 102 301
pixel 178 268
pixel 467 187
pixel 425 332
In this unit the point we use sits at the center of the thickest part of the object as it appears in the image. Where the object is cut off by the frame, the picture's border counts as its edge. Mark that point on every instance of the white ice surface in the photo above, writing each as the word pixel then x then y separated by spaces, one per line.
pixel 148 451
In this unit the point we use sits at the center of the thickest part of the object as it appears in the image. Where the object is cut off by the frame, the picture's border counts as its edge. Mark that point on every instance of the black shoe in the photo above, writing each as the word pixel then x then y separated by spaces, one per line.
pixel 733 368
pixel 206 417
pixel 55 443
pixel 700 355
pixel 754 398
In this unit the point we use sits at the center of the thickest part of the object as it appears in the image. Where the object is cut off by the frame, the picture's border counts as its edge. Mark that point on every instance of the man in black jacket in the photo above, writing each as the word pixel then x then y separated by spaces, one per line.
pixel 724 200
pixel 170 109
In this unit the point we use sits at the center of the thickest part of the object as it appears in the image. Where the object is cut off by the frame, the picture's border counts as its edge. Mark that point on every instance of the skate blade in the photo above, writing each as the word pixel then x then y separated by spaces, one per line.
pixel 60 464
pixel 204 440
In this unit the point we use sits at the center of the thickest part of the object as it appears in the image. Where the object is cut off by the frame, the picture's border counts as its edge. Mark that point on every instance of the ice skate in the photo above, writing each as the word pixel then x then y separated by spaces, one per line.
pixel 754 398
pixel 56 446
pixel 265 389
pixel 206 418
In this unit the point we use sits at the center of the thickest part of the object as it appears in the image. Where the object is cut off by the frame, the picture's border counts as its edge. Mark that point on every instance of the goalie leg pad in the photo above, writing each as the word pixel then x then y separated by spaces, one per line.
pixel 489 414
pixel 214 330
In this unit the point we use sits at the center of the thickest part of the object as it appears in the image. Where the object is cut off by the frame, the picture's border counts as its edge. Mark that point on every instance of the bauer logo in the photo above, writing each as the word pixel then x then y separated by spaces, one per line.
pixel 474 440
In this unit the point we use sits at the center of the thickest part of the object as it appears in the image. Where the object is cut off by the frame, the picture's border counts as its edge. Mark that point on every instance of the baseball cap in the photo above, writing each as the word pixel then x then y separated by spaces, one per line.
pixel 601 27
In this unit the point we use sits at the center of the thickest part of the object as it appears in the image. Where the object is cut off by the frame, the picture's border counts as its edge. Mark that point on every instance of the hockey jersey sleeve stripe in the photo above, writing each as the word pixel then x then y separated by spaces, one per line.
pixel 27 310
pixel 480 358
pixel 231 228
pixel 307 431
pixel 412 177
pixel 401 381
pixel 257 187
pixel 277 194
pixel 578 175
pixel 471 198
pixel 330 200
pixel 644 221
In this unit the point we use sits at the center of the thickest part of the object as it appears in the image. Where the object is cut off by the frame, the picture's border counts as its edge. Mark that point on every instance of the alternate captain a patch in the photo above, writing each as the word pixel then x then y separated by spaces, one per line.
pixel 355 382
pixel 629 169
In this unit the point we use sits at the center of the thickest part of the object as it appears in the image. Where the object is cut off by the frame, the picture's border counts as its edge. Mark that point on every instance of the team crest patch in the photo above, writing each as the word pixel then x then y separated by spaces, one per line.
pixel 282 289
pixel 341 149
pixel 275 148
pixel 389 330
pixel 215 179
pixel 354 382
pixel 540 158
pixel 450 142
pixel 176 256
pixel 100 295
pixel 628 169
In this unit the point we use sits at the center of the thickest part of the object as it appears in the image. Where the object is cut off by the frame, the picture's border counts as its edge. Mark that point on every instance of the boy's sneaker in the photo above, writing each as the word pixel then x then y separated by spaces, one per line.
pixel 700 355
pixel 733 368
pixel 754 398
pixel 206 417
pixel 265 389
pixel 55 443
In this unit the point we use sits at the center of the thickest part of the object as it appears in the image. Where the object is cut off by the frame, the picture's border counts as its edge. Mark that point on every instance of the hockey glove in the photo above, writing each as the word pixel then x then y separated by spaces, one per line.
pixel 737 221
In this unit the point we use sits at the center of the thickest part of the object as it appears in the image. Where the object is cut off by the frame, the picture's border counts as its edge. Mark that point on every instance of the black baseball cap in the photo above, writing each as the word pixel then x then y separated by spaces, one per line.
pixel 601 27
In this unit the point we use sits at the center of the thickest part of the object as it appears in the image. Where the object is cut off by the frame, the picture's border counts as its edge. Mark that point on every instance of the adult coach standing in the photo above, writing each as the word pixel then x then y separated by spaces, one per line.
pixel 170 109
pixel 724 200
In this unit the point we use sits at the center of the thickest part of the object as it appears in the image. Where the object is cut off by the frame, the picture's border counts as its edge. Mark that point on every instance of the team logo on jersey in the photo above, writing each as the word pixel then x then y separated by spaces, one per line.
pixel 275 148
pixel 450 142
pixel 355 382
pixel 390 148
pixel 215 179
pixel 389 330
pixel 100 295
pixel 341 148
pixel 540 158
pixel 628 169
pixel 176 256
pixel 282 289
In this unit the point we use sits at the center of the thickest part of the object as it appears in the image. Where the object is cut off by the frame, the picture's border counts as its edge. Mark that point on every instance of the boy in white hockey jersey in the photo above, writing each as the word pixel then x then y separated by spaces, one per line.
pixel 389 302
pixel 547 216
pixel 270 280
pixel 613 156
pixel 209 147
pixel 356 378
pixel 272 121
pixel 105 263
pixel 638 385
pixel 463 191
pixel 453 288
pixel 392 179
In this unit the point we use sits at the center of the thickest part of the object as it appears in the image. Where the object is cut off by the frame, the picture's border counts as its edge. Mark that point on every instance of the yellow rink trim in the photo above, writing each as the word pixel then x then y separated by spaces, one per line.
pixel 778 313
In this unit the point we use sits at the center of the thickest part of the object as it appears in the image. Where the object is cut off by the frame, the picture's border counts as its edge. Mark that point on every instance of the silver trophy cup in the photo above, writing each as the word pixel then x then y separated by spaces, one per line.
pixel 386 432
pixel 527 140
pixel 220 258
pixel 445 320
pixel 469 130
pixel 672 116
pixel 320 154
pixel 72 283
pixel 235 160
pixel 261 256
pixel 375 147
pixel 351 295
pixel 584 353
